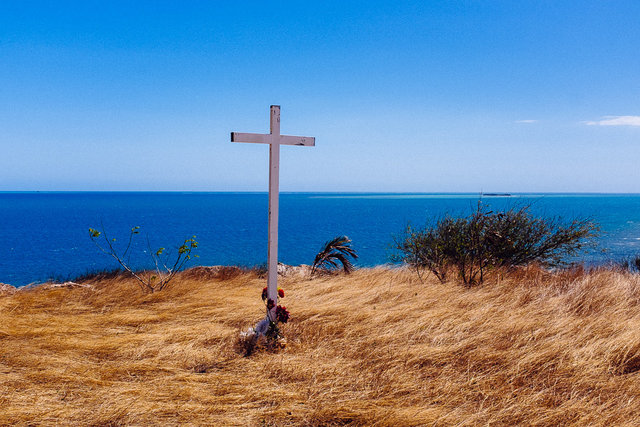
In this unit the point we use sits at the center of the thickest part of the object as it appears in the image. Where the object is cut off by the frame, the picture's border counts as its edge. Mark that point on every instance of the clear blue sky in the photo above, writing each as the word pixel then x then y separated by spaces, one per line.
pixel 425 96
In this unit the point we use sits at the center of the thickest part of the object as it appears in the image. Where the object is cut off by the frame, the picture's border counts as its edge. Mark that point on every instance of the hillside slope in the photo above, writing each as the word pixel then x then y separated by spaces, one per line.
pixel 377 347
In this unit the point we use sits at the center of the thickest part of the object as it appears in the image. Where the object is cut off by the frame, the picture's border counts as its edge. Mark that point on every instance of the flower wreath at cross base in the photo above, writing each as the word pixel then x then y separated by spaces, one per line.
pixel 269 325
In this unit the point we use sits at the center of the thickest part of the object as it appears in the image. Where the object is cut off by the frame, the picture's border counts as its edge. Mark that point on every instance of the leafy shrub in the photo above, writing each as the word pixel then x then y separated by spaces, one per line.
pixel 486 240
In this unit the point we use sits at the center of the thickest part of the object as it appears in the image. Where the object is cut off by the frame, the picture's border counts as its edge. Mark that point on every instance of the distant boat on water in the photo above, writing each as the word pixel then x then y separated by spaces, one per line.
pixel 497 194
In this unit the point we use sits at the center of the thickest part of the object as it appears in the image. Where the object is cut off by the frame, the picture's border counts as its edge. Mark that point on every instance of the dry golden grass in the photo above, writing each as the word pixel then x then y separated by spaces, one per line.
pixel 375 348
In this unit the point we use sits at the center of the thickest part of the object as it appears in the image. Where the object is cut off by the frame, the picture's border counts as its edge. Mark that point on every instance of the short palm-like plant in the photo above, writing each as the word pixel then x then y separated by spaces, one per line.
pixel 337 250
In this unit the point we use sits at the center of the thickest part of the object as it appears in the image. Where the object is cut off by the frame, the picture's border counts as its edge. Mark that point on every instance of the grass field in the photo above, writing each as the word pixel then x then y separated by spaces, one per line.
pixel 377 347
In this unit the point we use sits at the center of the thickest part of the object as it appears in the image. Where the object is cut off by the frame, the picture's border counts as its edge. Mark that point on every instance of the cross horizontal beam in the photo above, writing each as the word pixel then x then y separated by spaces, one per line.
pixel 262 138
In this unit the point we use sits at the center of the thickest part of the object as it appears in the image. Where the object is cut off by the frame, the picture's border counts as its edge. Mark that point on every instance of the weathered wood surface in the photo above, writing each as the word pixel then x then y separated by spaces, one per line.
pixel 274 139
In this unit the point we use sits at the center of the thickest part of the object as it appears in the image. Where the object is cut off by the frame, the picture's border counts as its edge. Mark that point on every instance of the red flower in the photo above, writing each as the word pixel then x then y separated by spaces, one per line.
pixel 264 293
pixel 270 304
pixel 282 314
pixel 281 292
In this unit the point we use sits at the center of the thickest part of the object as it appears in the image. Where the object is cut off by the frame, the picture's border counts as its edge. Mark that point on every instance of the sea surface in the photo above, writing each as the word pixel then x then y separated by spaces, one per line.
pixel 44 235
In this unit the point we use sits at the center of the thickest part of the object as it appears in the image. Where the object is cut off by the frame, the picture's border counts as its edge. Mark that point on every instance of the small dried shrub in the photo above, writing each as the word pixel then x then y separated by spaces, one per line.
pixel 631 265
pixel 228 272
pixel 97 275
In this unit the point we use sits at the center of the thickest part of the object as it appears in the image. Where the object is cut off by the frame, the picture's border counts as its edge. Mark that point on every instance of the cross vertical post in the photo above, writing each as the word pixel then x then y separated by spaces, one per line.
pixel 274 139
pixel 274 201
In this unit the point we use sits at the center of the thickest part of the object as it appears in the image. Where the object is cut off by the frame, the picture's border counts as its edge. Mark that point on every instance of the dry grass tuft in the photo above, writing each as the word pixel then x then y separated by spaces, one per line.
pixel 377 347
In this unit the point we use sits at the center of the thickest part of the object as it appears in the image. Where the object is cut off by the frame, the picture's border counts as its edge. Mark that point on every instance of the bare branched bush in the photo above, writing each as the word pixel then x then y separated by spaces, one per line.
pixel 165 268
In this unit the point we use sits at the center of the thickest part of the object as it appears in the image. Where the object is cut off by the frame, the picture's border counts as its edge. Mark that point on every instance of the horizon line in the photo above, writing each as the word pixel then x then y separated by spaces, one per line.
pixel 480 193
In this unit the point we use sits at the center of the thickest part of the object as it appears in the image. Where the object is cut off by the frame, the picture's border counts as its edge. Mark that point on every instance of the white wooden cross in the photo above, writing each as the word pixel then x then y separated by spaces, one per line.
pixel 274 139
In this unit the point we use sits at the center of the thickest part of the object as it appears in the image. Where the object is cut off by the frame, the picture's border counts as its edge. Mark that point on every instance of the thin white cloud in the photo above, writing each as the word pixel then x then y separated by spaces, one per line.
pixel 616 121
pixel 526 121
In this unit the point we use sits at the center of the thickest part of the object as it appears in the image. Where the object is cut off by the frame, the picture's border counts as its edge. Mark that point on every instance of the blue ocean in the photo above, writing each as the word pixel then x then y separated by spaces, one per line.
pixel 44 235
